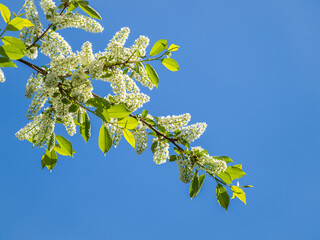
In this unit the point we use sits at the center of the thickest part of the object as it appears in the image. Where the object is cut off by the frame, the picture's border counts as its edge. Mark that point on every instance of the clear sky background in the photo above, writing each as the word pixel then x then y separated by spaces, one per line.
pixel 249 68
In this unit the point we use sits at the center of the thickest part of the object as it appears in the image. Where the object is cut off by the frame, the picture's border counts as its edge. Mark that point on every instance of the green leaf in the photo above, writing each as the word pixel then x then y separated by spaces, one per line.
pixel 6 62
pixel 225 177
pixel 105 139
pixel 158 47
pixel 224 158
pixel 61 151
pixel 144 113
pixel 72 6
pixel 154 147
pixel 11 51
pixel 173 48
pixel 129 137
pixel 222 196
pixel 5 12
pixel 118 111
pixel 103 114
pixel 49 160
pixel 128 123
pixel 85 127
pixel 196 184
pixel 18 23
pixel 14 41
pixel 152 74
pixel 235 172
pixel 65 145
pixel 90 11
pixel 73 108
pixel 98 103
pixel 171 64
pixel 173 158
pixel 239 193
pixel 51 143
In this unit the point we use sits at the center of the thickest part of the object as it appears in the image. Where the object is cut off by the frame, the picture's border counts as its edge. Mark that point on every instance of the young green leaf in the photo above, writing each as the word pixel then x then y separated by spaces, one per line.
pixel 105 139
pixel 173 158
pixel 12 52
pixel 73 108
pixel 98 103
pixel 85 127
pixel 18 23
pixel 6 62
pixel 154 147
pixel 103 114
pixel 158 47
pixel 129 137
pixel 144 113
pixel 239 193
pixel 173 48
pixel 5 12
pixel 128 123
pixel 225 177
pixel 118 111
pixel 224 158
pixel 235 172
pixel 49 160
pixel 90 11
pixel 222 196
pixel 171 64
pixel 65 145
pixel 72 6
pixel 196 184
pixel 152 74
pixel 7 40
pixel 61 151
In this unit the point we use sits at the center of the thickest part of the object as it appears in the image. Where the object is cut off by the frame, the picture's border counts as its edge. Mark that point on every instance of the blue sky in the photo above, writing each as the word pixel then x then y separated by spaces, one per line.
pixel 250 69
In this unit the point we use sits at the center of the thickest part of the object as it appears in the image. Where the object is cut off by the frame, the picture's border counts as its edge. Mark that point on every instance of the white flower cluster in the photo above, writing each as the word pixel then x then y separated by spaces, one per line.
pixel 209 163
pixel 76 20
pixel 38 102
pixel 27 34
pixel 64 65
pixel 185 169
pixel 46 5
pixel 86 54
pixel 126 91
pixel 192 132
pixel 39 130
pixel 2 77
pixel 161 153
pixel 172 123
pixel 69 124
pixel 54 45
pixel 115 131
pixel 34 84
pixel 141 138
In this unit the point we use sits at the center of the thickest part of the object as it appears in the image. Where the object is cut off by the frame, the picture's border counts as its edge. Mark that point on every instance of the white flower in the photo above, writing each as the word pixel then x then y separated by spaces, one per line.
pixel 185 169
pixel 2 77
pixel 68 122
pixel 34 84
pixel 192 132
pixel 54 45
pixel 141 138
pixel 39 130
pixel 76 20
pixel 38 102
pixel 161 153
pixel 27 34
pixel 208 163
pixel 172 123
